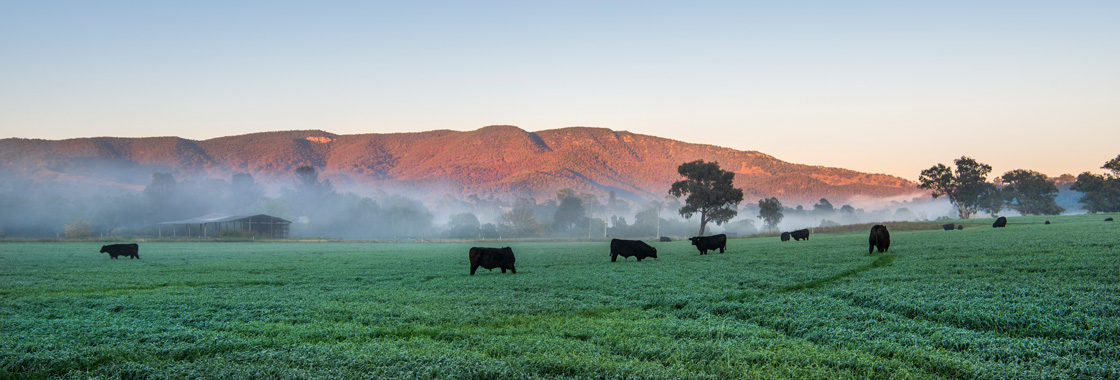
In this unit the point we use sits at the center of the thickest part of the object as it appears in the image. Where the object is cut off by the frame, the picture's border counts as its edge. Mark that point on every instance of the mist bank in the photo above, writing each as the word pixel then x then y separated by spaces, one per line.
pixel 51 209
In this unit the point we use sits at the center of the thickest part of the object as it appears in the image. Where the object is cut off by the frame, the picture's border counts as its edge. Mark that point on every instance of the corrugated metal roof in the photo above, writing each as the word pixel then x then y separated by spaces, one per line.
pixel 222 218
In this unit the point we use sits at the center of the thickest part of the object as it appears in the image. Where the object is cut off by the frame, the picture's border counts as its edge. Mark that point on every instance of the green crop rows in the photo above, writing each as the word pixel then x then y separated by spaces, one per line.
pixel 1029 301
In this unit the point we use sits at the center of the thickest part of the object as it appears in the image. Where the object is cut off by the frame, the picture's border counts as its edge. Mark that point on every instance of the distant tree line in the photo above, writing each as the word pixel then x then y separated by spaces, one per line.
pixel 1102 192
pixel 317 209
pixel 1025 191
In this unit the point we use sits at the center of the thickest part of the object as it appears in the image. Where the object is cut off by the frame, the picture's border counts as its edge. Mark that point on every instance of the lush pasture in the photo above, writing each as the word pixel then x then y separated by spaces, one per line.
pixel 1029 301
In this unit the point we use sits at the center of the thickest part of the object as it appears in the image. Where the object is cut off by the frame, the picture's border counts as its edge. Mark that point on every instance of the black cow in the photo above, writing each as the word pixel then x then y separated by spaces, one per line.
pixel 665 239
pixel 800 234
pixel 1001 222
pixel 114 250
pixel 705 243
pixel 949 227
pixel 960 227
pixel 627 248
pixel 785 236
pixel 1108 219
pixel 880 238
pixel 490 258
pixel 1047 222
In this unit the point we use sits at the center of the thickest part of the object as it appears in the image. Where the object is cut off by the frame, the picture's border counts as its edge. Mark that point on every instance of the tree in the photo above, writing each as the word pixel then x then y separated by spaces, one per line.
pixel 710 192
pixel 309 183
pixel 162 196
pixel 770 211
pixel 967 188
pixel 823 207
pixel 243 191
pixel 1030 193
pixel 310 193
pixel 1102 193
pixel 521 221
pixel 568 214
pixel 464 226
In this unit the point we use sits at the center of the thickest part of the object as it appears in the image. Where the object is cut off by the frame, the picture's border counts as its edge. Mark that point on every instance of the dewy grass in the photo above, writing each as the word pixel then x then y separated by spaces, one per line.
pixel 1029 301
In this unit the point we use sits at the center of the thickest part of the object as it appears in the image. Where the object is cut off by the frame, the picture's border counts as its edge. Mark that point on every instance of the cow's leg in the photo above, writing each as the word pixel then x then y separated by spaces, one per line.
pixel 639 258
pixel 473 268
pixel 721 249
pixel 512 270
pixel 614 256
pixel 503 269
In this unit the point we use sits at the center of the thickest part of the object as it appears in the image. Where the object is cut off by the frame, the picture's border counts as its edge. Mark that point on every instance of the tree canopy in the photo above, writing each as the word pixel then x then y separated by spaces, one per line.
pixel 1030 193
pixel 710 192
pixel 967 187
pixel 770 211
pixel 1102 192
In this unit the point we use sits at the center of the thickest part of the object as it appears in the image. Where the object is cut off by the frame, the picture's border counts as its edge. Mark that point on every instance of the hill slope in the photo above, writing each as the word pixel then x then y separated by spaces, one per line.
pixel 500 160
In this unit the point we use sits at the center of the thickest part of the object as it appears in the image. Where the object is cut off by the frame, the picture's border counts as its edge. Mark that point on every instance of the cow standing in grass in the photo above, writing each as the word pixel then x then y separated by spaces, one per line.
pixel 948 227
pixel 114 250
pixel 490 258
pixel 880 238
pixel 785 236
pixel 706 243
pixel 627 248
pixel 1001 222
pixel 800 234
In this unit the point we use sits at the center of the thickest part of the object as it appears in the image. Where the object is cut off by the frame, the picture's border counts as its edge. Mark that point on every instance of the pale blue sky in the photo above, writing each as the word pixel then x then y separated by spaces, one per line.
pixel 877 86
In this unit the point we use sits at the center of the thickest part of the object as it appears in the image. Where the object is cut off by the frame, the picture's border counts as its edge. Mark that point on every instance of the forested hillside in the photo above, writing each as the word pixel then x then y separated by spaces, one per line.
pixel 503 161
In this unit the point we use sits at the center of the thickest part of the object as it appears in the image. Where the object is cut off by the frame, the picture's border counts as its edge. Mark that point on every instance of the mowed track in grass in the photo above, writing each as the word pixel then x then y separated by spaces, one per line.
pixel 1028 301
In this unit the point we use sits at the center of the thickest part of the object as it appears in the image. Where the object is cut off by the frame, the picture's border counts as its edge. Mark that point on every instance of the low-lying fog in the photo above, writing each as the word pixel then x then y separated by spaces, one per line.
pixel 81 207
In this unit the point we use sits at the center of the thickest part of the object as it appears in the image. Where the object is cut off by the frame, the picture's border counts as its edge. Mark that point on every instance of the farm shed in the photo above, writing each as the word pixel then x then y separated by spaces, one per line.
pixel 213 224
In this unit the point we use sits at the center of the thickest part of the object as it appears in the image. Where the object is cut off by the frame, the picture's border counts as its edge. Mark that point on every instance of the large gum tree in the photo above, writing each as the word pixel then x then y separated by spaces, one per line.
pixel 967 188
pixel 709 190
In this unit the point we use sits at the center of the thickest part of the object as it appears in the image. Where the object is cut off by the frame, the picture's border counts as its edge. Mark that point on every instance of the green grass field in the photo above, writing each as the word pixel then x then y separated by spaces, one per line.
pixel 1029 301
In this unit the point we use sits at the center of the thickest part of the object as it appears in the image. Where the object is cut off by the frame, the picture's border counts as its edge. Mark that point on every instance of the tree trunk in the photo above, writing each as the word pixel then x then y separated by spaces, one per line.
pixel 703 221
pixel 963 211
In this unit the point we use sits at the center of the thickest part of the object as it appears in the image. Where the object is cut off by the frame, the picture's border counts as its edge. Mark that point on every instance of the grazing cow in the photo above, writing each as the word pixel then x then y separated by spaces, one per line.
pixel 627 248
pixel 1047 222
pixel 114 250
pixel 800 234
pixel 960 227
pixel 1001 222
pixel 705 243
pixel 490 258
pixel 949 227
pixel 785 236
pixel 665 239
pixel 1108 219
pixel 880 238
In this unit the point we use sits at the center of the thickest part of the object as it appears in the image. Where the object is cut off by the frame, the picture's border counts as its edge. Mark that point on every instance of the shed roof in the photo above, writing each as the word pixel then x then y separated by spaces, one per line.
pixel 222 218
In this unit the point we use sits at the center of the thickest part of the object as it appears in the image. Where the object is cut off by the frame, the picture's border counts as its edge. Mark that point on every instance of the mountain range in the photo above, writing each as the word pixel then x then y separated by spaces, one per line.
pixel 503 161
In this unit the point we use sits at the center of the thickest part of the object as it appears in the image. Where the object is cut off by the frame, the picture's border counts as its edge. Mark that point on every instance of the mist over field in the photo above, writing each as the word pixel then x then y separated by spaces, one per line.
pixel 104 199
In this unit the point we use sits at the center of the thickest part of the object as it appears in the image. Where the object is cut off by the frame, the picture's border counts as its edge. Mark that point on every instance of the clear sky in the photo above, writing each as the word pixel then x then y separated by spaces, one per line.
pixel 878 86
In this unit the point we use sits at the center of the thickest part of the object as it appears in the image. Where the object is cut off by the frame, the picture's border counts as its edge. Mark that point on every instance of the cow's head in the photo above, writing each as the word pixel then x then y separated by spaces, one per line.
pixel 694 240
pixel 653 252
pixel 103 249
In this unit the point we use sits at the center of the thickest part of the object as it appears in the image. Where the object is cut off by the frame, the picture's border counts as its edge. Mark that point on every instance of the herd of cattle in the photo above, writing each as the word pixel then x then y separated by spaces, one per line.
pixel 503 258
